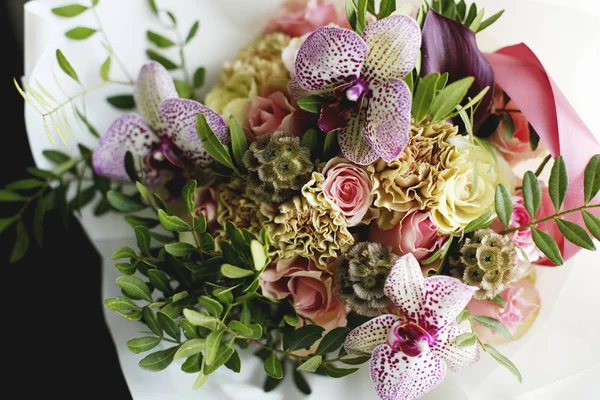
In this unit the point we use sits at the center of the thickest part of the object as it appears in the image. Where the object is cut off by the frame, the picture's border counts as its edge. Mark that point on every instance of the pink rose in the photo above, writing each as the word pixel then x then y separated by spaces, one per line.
pixel 523 238
pixel 266 115
pixel 299 17
pixel 518 148
pixel 310 288
pixel 348 186
pixel 205 203
pixel 416 233
pixel 522 305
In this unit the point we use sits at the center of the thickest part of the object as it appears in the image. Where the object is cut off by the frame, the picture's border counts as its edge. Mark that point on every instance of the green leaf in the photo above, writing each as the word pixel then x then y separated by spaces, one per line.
pixel 173 223
pixel 213 342
pixel 233 272
pixel 42 173
pixel 193 31
pixel 142 344
pixel 312 104
pixel 169 325
pixel 239 143
pixel 187 194
pixel 21 243
pixel 134 221
pixel 189 330
pixel 386 8
pixel 474 26
pixel 273 366
pixel 259 255
pixel 66 66
pixel 193 364
pixel 304 337
pixel 8 196
pixel 153 8
pixel 211 143
pixel 503 204
pixel 159 202
pixel 69 11
pixel 351 14
pixel 241 329
pixel 503 361
pixel 509 126
pixel 333 340
pixel 485 220
pixel 575 234
pixel 151 320
pixel 361 16
pixel 558 183
pixel 424 96
pixel 235 362
pixel 291 320
pixel 122 101
pixel 123 252
pixel 355 360
pixel 450 97
pixel 179 249
pixel 335 372
pixel 55 156
pixel 465 339
pixel 490 21
pixel 499 300
pixel 591 222
pixel 80 33
pixel 142 235
pixel 105 69
pixel 534 138
pixel 25 184
pixel 180 296
pixel 310 140
pixel 190 348
pixel 199 319
pixel 159 360
pixel 199 77
pixel 532 194
pixel 160 280
pixel 134 286
pixel 311 364
pixel 200 381
pixel 120 303
pixel 168 64
pixel 200 223
pixel 123 202
pixel 224 354
pixel 494 325
pixel 184 90
pixel 591 179
pixel 95 3
pixel 5 223
pixel 547 245
pixel 213 306
pixel 159 40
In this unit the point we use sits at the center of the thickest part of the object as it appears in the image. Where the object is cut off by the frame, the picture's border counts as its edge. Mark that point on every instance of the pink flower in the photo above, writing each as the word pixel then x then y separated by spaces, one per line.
pixel 416 233
pixel 349 187
pixel 518 148
pixel 205 203
pixel 309 287
pixel 523 238
pixel 299 17
pixel 411 354
pixel 289 54
pixel 522 305
pixel 266 115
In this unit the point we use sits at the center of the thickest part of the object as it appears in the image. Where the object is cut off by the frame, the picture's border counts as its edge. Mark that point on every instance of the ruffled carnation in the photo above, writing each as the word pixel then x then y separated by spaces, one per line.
pixel 234 205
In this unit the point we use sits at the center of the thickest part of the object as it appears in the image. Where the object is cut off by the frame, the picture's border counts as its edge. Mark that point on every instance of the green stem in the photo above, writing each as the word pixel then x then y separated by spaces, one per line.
pixel 110 48
pixel 181 46
pixel 550 218
pixel 81 94
pixel 540 169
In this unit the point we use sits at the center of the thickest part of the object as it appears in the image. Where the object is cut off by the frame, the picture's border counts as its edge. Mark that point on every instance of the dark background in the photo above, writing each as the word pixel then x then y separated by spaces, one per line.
pixel 54 338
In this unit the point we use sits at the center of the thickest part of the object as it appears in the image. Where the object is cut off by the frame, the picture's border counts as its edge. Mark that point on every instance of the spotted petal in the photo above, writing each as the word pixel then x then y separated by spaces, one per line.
pixel 364 339
pixel 444 298
pixel 352 143
pixel 329 57
pixel 180 119
pixel 399 377
pixel 154 85
pixel 394 45
pixel 388 119
pixel 455 357
pixel 404 286
pixel 128 133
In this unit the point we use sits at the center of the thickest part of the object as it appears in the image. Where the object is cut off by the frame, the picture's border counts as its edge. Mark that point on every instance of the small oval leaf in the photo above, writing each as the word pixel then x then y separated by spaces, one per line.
pixel 503 204
pixel 547 245
pixel 575 234
pixel 558 183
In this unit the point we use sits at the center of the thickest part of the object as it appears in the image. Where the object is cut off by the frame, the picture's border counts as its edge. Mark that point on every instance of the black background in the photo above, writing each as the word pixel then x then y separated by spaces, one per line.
pixel 54 337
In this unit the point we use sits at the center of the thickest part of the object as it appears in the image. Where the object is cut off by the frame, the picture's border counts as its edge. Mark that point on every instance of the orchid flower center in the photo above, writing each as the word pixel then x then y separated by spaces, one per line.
pixel 355 92
pixel 163 152
pixel 409 338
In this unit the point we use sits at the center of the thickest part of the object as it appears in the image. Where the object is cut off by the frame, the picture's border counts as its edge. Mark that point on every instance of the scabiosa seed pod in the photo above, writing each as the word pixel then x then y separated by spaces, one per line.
pixel 360 277
pixel 490 262
pixel 278 166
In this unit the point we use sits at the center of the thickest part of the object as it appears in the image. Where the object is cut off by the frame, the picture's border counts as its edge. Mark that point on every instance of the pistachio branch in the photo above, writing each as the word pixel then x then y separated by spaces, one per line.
pixel 550 218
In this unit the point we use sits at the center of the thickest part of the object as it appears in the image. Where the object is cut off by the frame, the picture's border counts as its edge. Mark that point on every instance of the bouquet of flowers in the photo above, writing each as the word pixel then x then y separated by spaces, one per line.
pixel 363 185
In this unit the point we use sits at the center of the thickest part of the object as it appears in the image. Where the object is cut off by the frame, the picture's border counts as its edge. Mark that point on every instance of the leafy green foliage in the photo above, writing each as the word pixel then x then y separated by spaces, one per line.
pixel 558 185
pixel 503 204
pixel 457 10
pixel 503 361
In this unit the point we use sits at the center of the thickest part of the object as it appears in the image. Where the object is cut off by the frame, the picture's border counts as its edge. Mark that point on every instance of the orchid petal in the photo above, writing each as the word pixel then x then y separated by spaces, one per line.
pixel 364 339
pixel 329 57
pixel 455 357
pixel 444 298
pixel 154 85
pixel 352 143
pixel 180 125
pixel 449 46
pixel 398 376
pixel 394 44
pixel 128 133
pixel 388 119
pixel 405 286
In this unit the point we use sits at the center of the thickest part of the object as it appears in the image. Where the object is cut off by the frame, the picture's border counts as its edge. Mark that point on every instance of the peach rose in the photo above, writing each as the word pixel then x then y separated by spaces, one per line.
pixel 299 17
pixel 310 289
pixel 266 114
pixel 416 233
pixel 348 186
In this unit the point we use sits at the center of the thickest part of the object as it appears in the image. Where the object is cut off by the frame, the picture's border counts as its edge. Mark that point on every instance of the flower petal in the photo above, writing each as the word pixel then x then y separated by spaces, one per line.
pixel 449 46
pixel 365 338
pixel 444 298
pixel 329 57
pixel 180 119
pixel 128 133
pixel 398 376
pixel 394 44
pixel 455 357
pixel 405 285
pixel 352 143
pixel 388 119
pixel 154 85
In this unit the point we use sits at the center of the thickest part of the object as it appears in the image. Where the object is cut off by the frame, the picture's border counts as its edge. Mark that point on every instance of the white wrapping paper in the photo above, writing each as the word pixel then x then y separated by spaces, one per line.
pixel 558 358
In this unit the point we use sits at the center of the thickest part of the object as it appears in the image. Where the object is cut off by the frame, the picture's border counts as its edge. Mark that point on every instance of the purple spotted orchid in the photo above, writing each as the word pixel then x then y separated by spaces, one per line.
pixel 164 135
pixel 411 353
pixel 371 104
